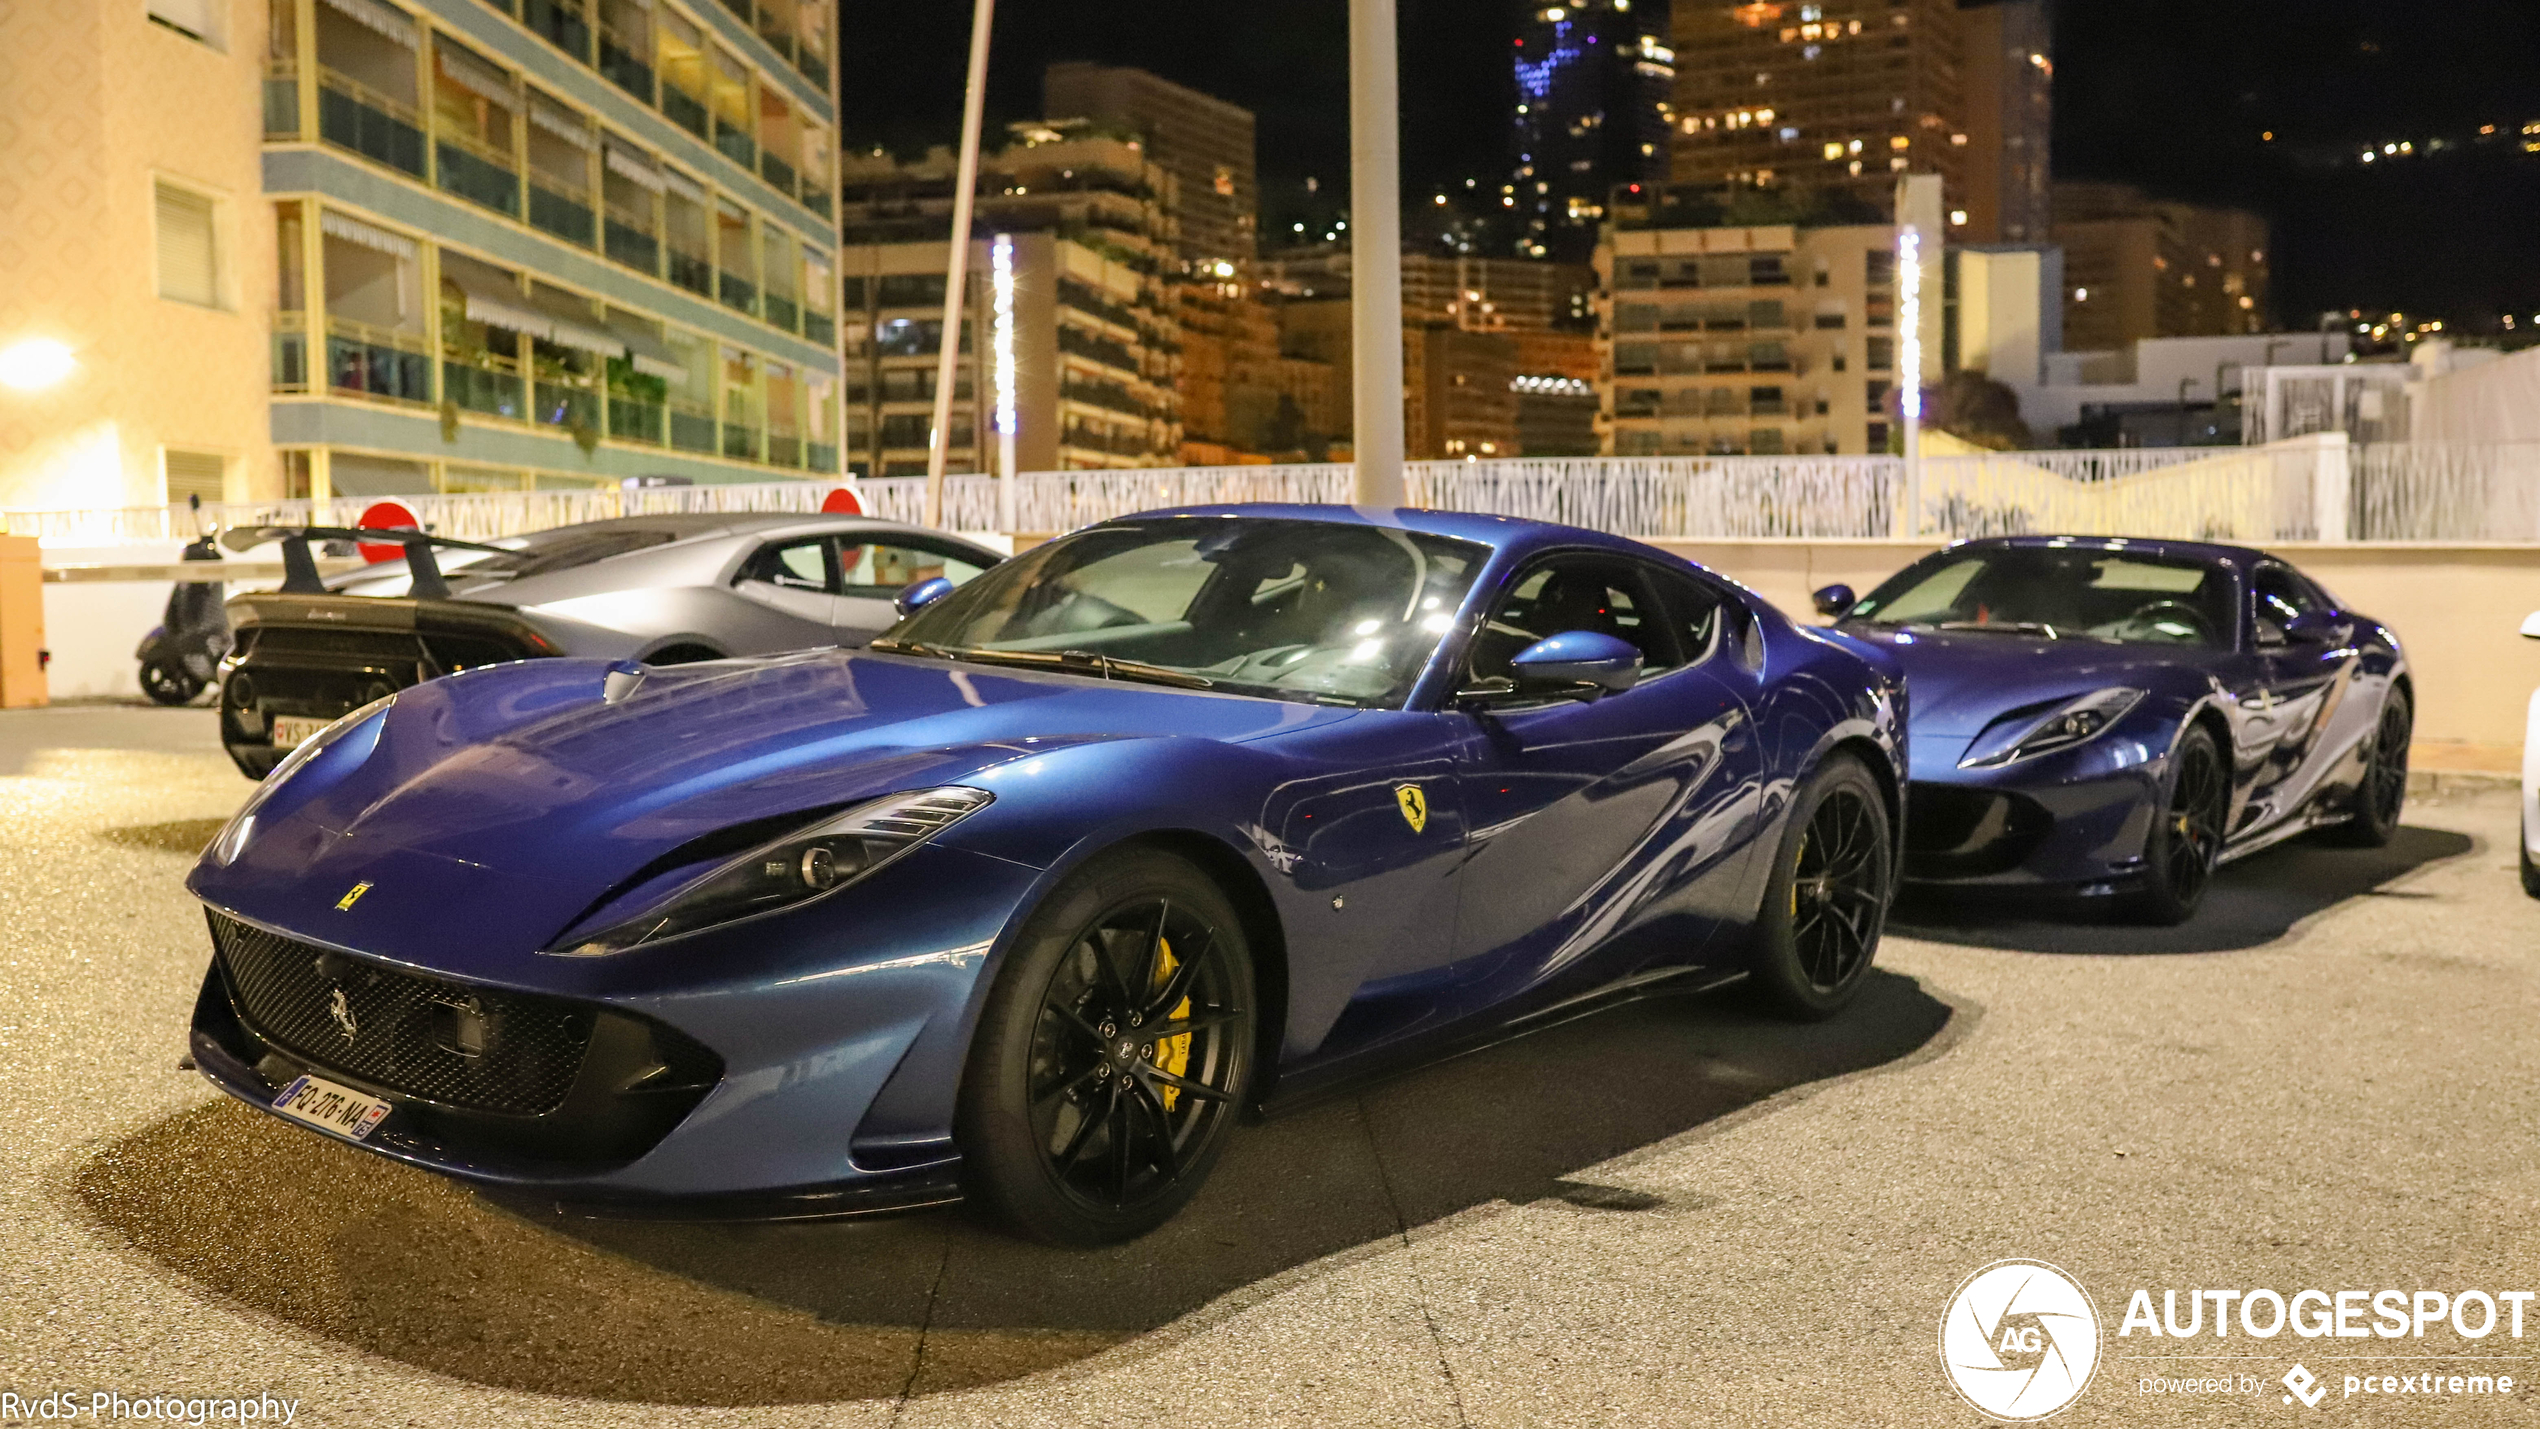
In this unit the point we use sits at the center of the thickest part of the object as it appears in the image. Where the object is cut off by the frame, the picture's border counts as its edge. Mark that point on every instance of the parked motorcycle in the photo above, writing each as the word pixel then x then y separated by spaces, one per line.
pixel 179 657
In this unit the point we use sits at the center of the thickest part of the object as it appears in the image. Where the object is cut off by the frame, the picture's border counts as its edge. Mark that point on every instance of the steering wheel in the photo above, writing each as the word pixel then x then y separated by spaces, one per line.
pixel 2147 620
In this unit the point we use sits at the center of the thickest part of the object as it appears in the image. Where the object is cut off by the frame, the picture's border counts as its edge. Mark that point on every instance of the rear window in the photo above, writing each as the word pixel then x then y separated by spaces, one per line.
pixel 563 550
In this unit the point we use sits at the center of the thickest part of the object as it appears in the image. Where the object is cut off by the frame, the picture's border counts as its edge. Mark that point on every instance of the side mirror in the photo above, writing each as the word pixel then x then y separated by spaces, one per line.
pixel 921 595
pixel 1834 600
pixel 2318 627
pixel 1566 662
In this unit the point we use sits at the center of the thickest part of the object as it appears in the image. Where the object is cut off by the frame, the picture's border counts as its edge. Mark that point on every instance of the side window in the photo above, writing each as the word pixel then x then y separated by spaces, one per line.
pixel 798 564
pixel 886 568
pixel 1566 593
pixel 1692 614
pixel 2279 595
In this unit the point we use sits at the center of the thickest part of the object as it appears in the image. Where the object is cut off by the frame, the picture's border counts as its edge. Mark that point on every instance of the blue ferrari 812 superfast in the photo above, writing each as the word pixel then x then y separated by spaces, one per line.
pixel 1169 822
pixel 2115 718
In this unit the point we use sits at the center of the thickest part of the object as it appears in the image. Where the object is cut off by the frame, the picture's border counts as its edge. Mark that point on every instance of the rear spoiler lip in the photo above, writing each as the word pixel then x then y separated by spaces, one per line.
pixel 392 613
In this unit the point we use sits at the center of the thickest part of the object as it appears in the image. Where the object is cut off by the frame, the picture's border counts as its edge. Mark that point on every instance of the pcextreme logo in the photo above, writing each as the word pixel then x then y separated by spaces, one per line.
pixel 2020 1340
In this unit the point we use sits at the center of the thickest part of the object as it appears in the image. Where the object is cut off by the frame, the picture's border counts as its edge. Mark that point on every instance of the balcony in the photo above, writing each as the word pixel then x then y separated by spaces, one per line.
pixel 820 328
pixel 629 239
pixel 634 420
pixel 376 362
pixel 353 116
pixel 820 456
pixel 780 311
pixel 692 273
pixel 282 100
pixel 738 293
pixel 776 171
pixel 290 353
pixel 735 143
pixel 566 217
pixel 561 22
pixel 687 111
pixel 815 199
pixel 568 405
pixel 815 67
pixel 486 384
pixel 784 449
pixel 740 442
pixel 691 427
pixel 740 8
pixel 477 172
pixel 624 67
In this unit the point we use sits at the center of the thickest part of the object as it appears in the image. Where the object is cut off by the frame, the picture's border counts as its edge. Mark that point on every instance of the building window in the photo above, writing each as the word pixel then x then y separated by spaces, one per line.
pixel 188 474
pixel 189 247
pixel 202 20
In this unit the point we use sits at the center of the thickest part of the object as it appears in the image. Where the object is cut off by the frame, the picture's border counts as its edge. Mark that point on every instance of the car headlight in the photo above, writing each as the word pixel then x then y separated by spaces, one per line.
pixel 2074 722
pixel 796 869
pixel 242 825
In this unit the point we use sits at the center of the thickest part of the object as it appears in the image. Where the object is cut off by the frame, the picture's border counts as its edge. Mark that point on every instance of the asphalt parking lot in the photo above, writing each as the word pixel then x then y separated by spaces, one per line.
pixel 1675 1214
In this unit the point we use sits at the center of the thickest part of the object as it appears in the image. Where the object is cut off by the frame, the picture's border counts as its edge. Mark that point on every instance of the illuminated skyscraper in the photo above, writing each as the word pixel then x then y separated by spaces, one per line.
pixel 1204 142
pixel 2009 89
pixel 1594 83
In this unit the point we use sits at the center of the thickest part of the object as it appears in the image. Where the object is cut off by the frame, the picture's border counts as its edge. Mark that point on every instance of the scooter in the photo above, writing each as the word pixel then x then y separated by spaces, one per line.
pixel 178 657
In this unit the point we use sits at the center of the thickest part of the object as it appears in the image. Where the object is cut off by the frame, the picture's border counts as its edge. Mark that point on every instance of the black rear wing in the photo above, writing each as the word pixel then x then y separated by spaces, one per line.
pixel 299 565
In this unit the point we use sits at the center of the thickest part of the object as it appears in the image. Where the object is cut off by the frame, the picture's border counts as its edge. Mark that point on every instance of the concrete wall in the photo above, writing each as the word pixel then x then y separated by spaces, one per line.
pixel 2456 609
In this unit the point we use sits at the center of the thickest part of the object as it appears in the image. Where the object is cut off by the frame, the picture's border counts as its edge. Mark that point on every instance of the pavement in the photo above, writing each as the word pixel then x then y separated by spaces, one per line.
pixel 1674 1214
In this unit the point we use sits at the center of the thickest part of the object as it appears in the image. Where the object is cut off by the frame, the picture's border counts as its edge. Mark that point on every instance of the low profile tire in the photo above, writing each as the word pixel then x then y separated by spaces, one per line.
pixel 168 684
pixel 2381 794
pixel 2187 834
pixel 1113 1055
pixel 682 655
pixel 1834 873
pixel 2530 870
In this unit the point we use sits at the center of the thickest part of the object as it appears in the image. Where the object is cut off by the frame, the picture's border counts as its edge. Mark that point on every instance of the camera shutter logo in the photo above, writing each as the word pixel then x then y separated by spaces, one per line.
pixel 2020 1340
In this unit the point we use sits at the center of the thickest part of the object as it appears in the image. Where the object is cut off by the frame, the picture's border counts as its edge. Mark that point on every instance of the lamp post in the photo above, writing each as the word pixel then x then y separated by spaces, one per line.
pixel 965 184
pixel 1375 218
pixel 1909 370
pixel 1001 269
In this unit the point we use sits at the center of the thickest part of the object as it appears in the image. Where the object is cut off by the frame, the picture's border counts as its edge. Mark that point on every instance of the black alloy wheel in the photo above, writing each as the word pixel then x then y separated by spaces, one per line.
pixel 2381 791
pixel 1114 1054
pixel 1826 904
pixel 2187 837
pixel 168 684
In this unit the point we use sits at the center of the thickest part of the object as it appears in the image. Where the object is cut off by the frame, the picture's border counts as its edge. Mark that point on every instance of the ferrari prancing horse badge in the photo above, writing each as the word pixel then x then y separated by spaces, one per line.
pixel 1415 806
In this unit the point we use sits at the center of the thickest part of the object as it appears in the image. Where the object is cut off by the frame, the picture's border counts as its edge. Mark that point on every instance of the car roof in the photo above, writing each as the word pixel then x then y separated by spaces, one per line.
pixel 1508 533
pixel 2207 551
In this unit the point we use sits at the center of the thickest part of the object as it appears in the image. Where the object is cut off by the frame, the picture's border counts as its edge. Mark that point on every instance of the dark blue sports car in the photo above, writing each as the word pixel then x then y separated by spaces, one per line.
pixel 1173 819
pixel 2117 717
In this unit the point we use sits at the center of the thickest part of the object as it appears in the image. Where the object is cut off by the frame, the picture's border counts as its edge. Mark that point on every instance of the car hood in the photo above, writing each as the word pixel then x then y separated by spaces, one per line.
pixel 1959 682
pixel 496 805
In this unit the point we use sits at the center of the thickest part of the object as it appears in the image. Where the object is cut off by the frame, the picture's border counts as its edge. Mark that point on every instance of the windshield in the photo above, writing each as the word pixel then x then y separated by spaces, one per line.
pixel 2060 592
pixel 1307 610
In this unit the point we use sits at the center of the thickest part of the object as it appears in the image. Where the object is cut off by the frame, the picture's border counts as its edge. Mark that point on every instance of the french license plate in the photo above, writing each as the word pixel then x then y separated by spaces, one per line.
pixel 290 731
pixel 328 1107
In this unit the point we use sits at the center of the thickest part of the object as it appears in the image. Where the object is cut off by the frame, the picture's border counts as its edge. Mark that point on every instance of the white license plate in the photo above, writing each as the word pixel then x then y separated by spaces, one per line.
pixel 291 731
pixel 328 1107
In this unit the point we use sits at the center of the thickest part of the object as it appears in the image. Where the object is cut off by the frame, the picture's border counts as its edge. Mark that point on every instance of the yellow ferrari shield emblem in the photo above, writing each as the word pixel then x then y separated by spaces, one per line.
pixel 1415 806
pixel 345 903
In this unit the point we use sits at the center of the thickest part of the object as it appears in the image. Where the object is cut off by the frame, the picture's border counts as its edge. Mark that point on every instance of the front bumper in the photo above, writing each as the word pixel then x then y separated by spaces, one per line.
pixel 2074 822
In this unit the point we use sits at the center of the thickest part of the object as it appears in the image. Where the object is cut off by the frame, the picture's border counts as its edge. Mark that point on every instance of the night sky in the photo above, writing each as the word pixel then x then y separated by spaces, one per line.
pixel 2173 95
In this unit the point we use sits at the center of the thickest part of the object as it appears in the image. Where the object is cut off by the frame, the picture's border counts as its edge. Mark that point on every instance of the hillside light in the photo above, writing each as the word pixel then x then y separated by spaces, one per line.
pixel 34 364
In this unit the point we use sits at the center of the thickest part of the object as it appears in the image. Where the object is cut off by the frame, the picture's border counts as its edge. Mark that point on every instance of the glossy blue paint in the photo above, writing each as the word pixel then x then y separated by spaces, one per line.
pixel 1556 849
pixel 2292 718
pixel 1578 657
pixel 921 594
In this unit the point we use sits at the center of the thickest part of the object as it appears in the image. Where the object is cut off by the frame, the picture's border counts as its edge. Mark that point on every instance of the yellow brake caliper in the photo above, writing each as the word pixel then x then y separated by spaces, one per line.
pixel 1173 1054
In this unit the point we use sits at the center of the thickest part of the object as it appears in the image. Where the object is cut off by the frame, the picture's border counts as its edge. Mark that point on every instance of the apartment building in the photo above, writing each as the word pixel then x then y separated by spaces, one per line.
pixel 522 244
pixel 1205 143
pixel 1091 222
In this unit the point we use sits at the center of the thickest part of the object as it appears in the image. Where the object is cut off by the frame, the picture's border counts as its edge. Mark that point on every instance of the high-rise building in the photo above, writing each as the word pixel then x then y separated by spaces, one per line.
pixel 1476 294
pixel 2008 89
pixel 1595 81
pixel 1096 320
pixel 550 244
pixel 2137 267
pixel 1204 142
pixel 136 298
pixel 1834 95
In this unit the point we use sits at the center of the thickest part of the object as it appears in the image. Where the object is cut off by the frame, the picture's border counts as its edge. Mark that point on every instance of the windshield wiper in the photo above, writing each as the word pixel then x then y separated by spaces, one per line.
pixel 1089 661
pixel 2012 627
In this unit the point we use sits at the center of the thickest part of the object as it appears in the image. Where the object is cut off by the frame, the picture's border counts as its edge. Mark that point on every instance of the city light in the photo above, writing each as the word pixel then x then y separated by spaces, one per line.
pixel 1909 320
pixel 34 364
pixel 1001 271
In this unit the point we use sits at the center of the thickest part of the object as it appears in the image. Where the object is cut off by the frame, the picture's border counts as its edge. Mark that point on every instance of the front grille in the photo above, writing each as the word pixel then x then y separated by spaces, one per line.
pixel 421 1037
pixel 1954 831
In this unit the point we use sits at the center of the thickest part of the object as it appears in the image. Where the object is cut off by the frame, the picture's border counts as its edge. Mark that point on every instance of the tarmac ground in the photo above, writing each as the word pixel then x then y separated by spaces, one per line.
pixel 1671 1214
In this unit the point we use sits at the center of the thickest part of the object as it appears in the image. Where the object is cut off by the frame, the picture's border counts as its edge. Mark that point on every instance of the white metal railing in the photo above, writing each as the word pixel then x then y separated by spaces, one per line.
pixel 2309 488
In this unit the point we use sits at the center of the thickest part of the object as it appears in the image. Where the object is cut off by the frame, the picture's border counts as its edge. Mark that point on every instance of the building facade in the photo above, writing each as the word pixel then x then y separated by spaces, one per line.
pixel 1595 101
pixel 1097 324
pixel 1205 143
pixel 542 243
pixel 2008 48
pixel 2137 268
pixel 1835 96
pixel 137 293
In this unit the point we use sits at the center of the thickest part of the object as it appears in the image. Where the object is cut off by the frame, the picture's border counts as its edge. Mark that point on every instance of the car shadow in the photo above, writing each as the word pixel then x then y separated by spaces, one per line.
pixel 2252 902
pixel 408 1266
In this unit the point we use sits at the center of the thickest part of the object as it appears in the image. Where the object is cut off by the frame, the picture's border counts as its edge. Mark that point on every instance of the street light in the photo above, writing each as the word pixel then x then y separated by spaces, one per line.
pixel 35 363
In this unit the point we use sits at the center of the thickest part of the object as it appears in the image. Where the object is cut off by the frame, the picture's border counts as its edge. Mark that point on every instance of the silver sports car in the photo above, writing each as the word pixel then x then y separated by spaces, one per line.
pixel 661 589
